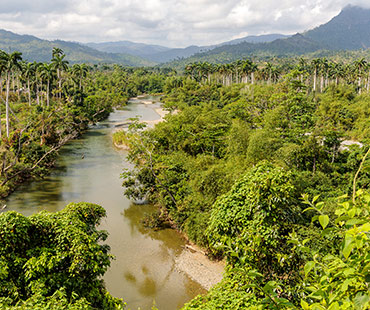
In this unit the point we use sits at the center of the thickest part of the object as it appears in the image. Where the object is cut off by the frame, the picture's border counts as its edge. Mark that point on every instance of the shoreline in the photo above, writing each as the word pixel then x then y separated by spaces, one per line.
pixel 197 266
pixel 192 261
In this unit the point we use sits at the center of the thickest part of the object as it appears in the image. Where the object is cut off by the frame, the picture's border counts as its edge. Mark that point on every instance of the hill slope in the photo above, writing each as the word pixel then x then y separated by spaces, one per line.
pixel 294 45
pixel 350 30
pixel 162 54
pixel 128 47
pixel 35 49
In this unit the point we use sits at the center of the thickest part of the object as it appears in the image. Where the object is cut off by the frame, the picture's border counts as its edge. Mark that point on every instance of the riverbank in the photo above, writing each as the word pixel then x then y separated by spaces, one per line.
pixel 120 127
pixel 195 264
pixel 192 261
pixel 88 169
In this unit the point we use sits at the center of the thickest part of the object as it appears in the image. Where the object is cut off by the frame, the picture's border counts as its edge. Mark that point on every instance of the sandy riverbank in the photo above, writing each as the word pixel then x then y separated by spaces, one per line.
pixel 194 263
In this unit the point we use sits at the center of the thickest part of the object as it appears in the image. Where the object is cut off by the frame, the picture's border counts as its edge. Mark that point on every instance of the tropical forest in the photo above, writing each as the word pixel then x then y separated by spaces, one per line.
pixel 226 176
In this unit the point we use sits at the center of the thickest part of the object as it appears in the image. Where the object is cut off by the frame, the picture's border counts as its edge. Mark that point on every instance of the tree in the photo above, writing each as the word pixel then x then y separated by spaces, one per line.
pixel 80 71
pixel 10 62
pixel 60 64
pixel 28 72
pixel 48 254
pixel 47 74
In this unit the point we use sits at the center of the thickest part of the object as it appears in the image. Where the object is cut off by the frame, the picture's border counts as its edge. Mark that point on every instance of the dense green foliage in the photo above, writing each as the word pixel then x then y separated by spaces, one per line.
pixel 44 105
pixel 229 167
pixel 54 260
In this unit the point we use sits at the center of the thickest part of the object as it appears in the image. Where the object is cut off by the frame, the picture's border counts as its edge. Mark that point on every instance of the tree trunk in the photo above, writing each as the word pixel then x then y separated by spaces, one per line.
pixel 7 104
pixel 29 92
pixel 359 84
pixel 47 93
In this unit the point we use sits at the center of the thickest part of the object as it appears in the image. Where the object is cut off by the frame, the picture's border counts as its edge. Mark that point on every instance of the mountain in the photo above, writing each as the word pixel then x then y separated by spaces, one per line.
pixel 128 47
pixel 297 44
pixel 154 53
pixel 264 38
pixel 35 49
pixel 292 46
pixel 162 54
pixel 350 30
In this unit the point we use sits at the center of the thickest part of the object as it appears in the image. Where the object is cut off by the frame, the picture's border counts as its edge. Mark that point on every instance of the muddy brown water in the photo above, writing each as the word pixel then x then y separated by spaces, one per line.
pixel 88 169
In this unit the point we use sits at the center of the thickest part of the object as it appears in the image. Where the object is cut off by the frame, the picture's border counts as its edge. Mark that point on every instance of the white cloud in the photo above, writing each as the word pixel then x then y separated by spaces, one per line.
pixel 168 22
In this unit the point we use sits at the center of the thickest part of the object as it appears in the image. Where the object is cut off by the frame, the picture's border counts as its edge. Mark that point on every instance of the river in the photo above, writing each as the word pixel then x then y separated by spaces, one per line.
pixel 88 169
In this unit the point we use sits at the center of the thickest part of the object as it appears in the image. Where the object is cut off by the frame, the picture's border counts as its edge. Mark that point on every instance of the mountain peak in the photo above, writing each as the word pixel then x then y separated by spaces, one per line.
pixel 349 30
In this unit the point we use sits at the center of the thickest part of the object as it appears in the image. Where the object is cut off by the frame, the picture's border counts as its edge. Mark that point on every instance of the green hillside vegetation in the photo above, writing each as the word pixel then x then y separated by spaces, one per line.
pixel 35 49
pixel 252 168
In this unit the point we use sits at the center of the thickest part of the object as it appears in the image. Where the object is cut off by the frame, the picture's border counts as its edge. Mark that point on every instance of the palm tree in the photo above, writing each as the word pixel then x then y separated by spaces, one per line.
pixel 39 82
pixel 302 67
pixel 323 72
pixel 57 51
pixel 253 69
pixel 80 72
pixel 60 64
pixel 246 69
pixel 47 72
pixel 359 67
pixel 10 62
pixel 2 70
pixel 28 71
pixel 315 65
pixel 268 70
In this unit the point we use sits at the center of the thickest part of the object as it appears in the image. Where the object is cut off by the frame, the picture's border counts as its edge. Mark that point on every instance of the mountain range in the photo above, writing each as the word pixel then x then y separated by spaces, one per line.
pixel 161 54
pixel 350 30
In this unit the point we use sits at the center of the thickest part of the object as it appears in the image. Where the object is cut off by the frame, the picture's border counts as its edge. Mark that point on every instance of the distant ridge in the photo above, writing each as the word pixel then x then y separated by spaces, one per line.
pixel 133 48
pixel 349 30
pixel 35 49
pixel 161 54
pixel 263 38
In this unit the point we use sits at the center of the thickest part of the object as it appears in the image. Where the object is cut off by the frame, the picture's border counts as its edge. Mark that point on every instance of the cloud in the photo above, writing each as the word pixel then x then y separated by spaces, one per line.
pixel 173 23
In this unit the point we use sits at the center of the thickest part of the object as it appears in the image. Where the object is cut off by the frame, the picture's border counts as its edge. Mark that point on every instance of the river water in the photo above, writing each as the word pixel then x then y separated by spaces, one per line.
pixel 88 169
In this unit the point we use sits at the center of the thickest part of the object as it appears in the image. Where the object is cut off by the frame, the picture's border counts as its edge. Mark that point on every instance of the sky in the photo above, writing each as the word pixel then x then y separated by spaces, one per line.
pixel 172 23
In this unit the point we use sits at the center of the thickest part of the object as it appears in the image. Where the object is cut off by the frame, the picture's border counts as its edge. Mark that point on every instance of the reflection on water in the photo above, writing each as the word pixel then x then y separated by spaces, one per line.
pixel 88 169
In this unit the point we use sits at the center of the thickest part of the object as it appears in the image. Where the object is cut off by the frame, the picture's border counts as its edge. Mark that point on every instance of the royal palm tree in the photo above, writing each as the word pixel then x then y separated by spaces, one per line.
pixel 57 52
pixel 315 65
pixel 2 70
pixel 360 65
pixel 10 62
pixel 60 64
pixel 80 72
pixel 47 73
pixel 253 69
pixel 28 72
